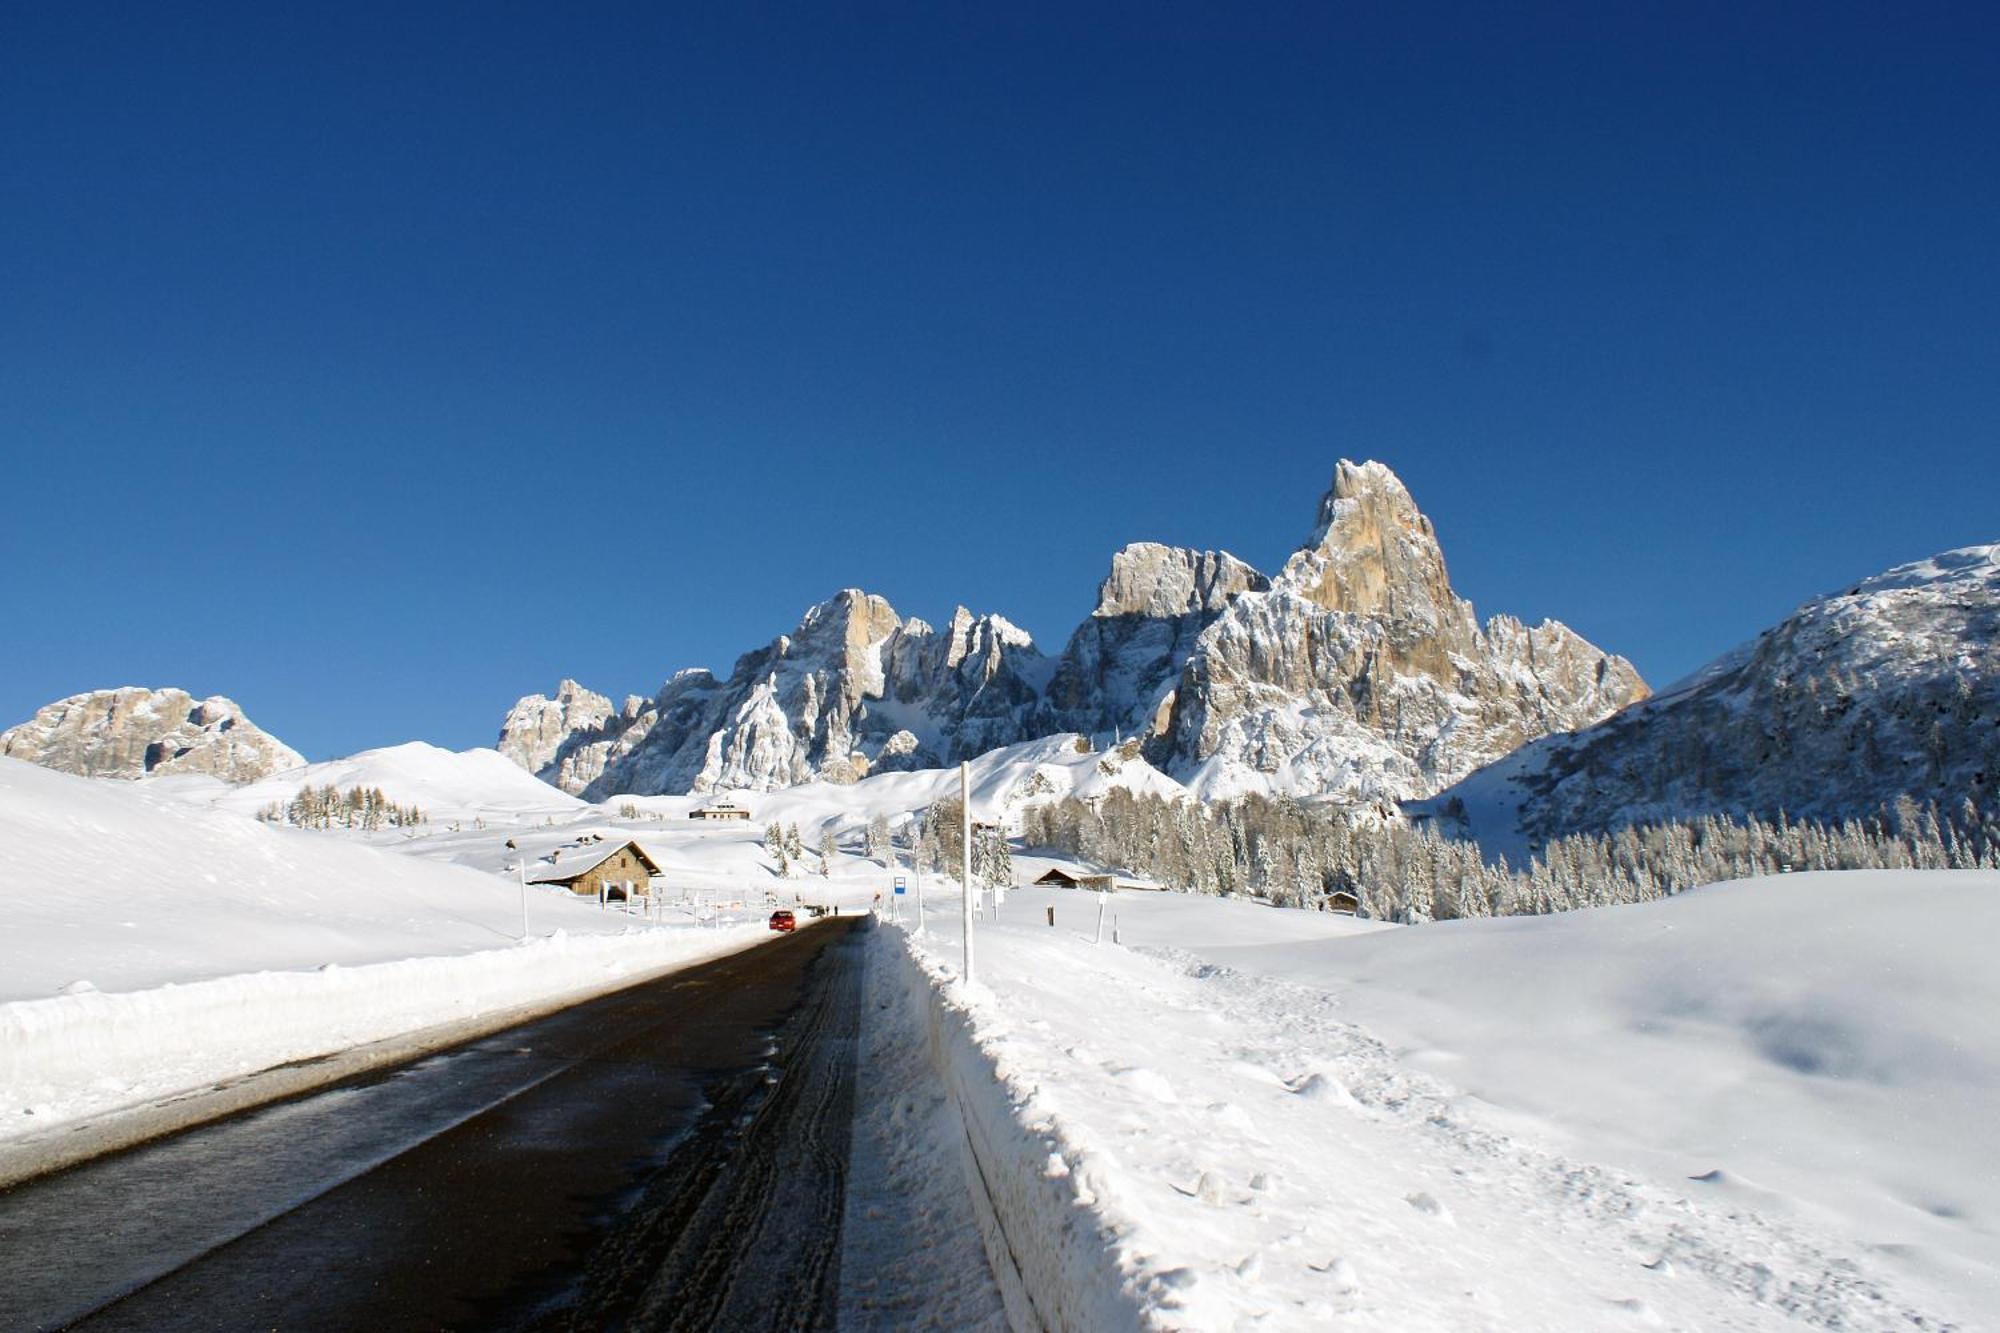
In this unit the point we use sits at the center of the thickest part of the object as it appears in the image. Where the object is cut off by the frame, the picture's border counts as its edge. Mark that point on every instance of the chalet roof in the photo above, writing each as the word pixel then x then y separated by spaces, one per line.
pixel 562 872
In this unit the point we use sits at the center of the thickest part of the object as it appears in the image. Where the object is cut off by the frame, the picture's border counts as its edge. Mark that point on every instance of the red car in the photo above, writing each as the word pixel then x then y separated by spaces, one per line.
pixel 784 921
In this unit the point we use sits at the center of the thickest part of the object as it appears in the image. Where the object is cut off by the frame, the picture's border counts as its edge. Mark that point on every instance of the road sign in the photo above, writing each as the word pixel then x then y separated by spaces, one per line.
pixel 902 886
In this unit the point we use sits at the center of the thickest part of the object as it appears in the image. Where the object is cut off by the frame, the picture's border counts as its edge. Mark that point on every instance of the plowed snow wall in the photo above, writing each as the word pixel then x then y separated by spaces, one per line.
pixel 70 1055
pixel 1055 1262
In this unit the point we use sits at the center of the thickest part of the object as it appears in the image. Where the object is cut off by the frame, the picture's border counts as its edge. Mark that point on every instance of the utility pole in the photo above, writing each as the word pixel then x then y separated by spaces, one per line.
pixel 965 855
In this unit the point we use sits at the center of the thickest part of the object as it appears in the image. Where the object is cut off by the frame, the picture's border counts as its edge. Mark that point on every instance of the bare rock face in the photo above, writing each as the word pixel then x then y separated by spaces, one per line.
pixel 537 726
pixel 136 733
pixel 1356 672
pixel 1360 673
pixel 854 688
pixel 568 740
pixel 1117 676
pixel 1884 692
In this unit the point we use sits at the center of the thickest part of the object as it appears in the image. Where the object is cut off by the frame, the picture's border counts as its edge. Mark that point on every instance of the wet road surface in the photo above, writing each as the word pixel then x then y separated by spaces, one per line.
pixel 670 1156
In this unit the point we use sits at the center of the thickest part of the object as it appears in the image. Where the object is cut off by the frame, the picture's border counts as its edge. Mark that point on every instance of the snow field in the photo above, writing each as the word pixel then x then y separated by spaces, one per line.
pixel 1224 1149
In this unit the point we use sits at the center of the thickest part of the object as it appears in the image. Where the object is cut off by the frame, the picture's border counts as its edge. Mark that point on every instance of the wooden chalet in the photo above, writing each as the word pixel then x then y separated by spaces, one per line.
pixel 609 870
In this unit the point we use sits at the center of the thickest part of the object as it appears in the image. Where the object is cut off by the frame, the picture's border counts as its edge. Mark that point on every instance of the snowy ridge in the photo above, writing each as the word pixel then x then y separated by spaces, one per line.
pixel 1355 673
pixel 854 688
pixel 444 784
pixel 1885 690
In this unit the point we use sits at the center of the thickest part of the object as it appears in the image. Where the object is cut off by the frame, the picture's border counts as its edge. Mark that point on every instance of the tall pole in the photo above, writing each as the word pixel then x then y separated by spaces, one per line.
pixel 917 871
pixel 965 855
pixel 521 864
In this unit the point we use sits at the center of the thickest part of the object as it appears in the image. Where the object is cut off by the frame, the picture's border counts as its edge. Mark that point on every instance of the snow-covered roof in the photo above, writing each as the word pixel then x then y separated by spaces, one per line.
pixel 584 862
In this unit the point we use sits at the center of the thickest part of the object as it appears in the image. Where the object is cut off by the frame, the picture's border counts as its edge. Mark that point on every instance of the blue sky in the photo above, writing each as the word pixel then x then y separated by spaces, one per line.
pixel 380 364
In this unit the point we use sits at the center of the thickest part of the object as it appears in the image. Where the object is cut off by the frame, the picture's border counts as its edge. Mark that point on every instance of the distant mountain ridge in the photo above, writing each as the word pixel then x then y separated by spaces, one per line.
pixel 134 732
pixel 1887 689
pixel 1356 672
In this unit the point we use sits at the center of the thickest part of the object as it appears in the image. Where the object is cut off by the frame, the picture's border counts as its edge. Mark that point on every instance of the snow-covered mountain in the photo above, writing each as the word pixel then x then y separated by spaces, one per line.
pixel 854 688
pixel 1122 663
pixel 1360 673
pixel 134 732
pixel 1357 672
pixel 1886 689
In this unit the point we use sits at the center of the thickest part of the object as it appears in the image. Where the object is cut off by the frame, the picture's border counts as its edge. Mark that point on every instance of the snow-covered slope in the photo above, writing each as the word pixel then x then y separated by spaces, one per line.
pixel 1362 674
pixel 1761 1105
pixel 133 732
pixel 1889 688
pixel 460 785
pixel 127 886
pixel 150 945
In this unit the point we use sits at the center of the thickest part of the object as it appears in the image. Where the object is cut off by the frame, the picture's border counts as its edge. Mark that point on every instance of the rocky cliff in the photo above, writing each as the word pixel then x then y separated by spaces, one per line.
pixel 1117 676
pixel 1356 672
pixel 853 688
pixel 1360 673
pixel 1886 690
pixel 135 733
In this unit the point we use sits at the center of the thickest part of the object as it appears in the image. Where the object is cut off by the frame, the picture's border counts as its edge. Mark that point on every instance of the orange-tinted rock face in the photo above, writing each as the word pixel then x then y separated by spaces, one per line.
pixel 1361 673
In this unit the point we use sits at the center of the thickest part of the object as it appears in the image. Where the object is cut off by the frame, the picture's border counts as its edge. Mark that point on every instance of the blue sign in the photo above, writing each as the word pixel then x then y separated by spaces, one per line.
pixel 899 884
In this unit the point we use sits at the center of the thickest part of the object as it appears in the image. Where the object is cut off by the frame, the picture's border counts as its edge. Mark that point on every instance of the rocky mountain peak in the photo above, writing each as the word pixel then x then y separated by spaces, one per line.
pixel 851 619
pixel 133 732
pixel 1356 671
pixel 537 727
pixel 1361 673
pixel 1372 552
pixel 1155 581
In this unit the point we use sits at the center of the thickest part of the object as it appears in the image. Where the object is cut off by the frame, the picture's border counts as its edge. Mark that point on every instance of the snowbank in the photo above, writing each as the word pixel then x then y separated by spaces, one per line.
pixel 75 1056
pixel 1051 1253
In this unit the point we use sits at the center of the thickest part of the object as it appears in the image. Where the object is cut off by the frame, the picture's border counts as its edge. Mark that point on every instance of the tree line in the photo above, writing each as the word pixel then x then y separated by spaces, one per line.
pixel 328 807
pixel 1300 854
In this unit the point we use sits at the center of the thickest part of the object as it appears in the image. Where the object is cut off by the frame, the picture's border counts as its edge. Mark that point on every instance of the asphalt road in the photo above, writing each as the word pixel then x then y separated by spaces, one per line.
pixel 671 1156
